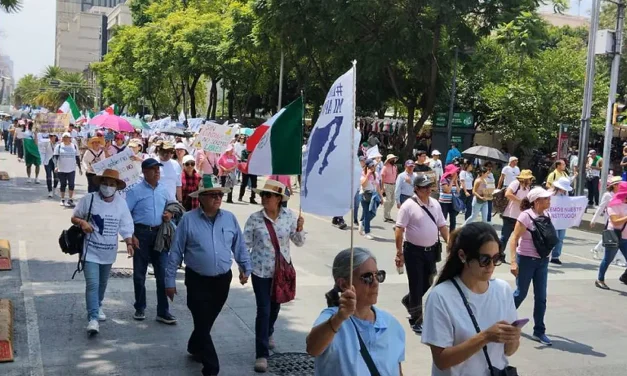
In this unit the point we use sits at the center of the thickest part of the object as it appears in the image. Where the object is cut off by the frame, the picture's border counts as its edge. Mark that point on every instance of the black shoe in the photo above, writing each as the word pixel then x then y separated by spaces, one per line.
pixel 167 319
pixel 343 226
pixel 253 202
pixel 389 220
pixel 623 278
pixel 139 315
pixel 405 302
pixel 240 199
pixel 556 261
pixel 417 328
pixel 229 201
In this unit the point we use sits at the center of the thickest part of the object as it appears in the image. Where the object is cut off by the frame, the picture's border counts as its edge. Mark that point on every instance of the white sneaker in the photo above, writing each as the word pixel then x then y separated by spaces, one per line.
pixel 50 195
pixel 62 203
pixel 361 230
pixel 37 181
pixel 93 327
pixel 151 271
pixel 101 315
pixel 28 180
pixel 369 237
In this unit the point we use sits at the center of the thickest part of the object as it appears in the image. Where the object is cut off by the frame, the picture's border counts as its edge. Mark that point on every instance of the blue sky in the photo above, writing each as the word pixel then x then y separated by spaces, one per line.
pixel 28 36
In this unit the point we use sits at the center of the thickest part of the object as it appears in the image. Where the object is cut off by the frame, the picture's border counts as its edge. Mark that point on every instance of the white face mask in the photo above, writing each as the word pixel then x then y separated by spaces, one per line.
pixel 107 191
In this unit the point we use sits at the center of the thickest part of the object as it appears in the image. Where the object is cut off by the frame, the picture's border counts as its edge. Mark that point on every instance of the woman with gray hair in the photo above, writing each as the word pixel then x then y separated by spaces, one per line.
pixel 373 342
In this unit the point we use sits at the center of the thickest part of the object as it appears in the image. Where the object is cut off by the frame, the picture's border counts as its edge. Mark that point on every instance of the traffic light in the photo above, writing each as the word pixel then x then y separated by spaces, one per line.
pixel 618 115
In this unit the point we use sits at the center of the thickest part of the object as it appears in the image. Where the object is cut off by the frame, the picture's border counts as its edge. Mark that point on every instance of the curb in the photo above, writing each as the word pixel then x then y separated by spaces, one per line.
pixel 5 255
pixel 6 331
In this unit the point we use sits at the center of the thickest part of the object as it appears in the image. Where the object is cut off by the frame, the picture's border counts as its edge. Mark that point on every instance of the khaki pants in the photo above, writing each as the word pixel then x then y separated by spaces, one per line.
pixel 389 200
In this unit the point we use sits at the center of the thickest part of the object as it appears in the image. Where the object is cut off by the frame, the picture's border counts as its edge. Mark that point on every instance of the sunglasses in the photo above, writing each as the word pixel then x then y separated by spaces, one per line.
pixel 368 278
pixel 188 164
pixel 213 195
pixel 426 187
pixel 484 260
pixel 268 194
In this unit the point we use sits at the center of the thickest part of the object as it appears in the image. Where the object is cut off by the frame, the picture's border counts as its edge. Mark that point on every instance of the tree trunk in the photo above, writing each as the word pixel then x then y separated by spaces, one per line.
pixel 210 104
pixel 410 139
pixel 191 89
pixel 381 113
pixel 231 103
pixel 214 97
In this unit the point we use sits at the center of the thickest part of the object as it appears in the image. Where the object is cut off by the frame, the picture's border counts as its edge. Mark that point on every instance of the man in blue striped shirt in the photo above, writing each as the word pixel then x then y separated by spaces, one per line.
pixel 207 238
pixel 147 201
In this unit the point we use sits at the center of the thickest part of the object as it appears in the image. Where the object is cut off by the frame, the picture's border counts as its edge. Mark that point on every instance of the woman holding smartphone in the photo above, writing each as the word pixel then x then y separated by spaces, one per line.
pixel 465 283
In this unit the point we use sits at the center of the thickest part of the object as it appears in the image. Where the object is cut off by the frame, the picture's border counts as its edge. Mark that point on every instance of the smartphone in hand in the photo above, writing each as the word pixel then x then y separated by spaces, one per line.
pixel 520 323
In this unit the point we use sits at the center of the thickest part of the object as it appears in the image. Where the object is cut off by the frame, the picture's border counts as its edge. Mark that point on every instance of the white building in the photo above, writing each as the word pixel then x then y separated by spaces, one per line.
pixel 7 82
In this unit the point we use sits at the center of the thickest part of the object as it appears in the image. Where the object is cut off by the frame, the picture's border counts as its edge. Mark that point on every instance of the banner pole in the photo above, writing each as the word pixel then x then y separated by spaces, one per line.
pixel 352 172
pixel 302 135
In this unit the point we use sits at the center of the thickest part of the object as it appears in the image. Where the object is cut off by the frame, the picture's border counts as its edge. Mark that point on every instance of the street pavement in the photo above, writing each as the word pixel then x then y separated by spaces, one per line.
pixel 586 324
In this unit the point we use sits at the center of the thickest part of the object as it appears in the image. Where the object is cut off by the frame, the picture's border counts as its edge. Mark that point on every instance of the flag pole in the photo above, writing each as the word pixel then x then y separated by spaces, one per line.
pixel 302 135
pixel 352 172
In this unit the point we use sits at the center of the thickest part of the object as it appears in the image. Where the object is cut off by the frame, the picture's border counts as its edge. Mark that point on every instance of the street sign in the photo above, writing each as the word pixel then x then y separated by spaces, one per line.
pixel 456 139
pixel 460 120
pixel 562 142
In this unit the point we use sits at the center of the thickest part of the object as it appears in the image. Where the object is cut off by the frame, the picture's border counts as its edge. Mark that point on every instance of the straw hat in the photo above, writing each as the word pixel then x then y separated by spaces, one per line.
pixel 525 174
pixel 389 157
pixel 166 145
pixel 275 187
pixel 613 181
pixel 111 174
pixel 93 140
pixel 209 183
pixel 135 143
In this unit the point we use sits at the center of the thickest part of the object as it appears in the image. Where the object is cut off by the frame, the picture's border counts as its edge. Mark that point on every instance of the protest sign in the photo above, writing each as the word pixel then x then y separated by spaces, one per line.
pixel 130 171
pixel 214 137
pixel 567 211
pixel 52 123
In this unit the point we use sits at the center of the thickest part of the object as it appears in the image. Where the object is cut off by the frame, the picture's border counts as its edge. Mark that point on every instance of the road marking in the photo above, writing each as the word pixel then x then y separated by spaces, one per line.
pixel 32 326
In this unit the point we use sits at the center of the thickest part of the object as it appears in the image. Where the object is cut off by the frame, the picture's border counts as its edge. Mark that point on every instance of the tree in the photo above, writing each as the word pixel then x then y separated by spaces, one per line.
pixel 40 91
pixel 11 6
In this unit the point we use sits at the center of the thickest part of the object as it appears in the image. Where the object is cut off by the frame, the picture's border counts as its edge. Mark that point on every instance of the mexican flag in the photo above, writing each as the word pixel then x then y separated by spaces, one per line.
pixel 113 109
pixel 69 106
pixel 276 146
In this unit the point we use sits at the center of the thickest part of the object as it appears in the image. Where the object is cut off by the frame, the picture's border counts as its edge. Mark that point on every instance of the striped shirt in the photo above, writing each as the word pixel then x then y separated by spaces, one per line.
pixel 447 198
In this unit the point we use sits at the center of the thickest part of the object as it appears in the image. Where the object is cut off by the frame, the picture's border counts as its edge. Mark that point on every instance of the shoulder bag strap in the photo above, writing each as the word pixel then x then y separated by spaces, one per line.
pixel 80 265
pixel 275 243
pixel 365 354
pixel 474 321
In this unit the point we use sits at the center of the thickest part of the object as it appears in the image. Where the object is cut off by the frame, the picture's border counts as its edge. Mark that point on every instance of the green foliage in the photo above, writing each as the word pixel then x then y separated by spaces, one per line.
pixel 11 6
pixel 40 91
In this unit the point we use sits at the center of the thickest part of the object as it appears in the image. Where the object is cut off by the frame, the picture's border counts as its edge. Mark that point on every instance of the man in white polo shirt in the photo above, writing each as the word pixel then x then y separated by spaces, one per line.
pixel 170 172
pixel 509 173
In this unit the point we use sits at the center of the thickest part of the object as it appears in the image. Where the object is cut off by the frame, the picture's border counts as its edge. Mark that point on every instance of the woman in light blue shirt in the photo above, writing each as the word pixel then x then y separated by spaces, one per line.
pixel 352 336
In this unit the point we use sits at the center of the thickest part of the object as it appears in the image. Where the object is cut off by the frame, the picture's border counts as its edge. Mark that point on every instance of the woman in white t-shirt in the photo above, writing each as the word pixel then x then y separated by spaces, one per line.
pixel 515 193
pixel 66 158
pixel 109 216
pixel 456 345
pixel 617 211
pixel 466 179
pixel 46 149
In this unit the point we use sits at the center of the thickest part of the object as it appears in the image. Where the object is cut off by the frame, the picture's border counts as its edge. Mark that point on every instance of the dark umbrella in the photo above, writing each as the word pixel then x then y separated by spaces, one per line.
pixel 174 131
pixel 484 152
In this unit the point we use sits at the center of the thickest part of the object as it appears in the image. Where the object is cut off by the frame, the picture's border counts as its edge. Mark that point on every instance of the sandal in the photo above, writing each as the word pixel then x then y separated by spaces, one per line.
pixel 601 285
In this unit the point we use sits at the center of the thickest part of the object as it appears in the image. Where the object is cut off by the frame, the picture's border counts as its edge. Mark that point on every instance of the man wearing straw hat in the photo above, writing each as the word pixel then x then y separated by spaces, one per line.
pixel 207 238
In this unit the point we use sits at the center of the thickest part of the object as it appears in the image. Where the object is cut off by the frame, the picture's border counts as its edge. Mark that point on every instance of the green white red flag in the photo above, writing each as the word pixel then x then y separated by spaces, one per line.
pixel 69 106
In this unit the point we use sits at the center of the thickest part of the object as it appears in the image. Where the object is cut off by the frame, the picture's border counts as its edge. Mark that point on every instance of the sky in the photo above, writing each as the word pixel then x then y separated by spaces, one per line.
pixel 28 36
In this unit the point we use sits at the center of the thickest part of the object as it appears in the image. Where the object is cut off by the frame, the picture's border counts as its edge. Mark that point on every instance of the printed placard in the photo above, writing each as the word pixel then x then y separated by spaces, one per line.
pixel 52 123
pixel 130 171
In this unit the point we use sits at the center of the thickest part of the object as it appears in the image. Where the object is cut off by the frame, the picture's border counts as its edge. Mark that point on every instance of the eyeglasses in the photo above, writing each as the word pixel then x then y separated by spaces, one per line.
pixel 484 260
pixel 188 164
pixel 214 195
pixel 368 278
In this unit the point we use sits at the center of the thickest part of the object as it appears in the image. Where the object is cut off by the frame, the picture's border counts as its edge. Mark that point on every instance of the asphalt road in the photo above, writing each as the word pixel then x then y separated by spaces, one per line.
pixel 586 324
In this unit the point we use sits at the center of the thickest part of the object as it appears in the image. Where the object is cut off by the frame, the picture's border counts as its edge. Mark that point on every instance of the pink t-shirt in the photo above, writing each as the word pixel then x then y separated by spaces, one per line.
pixel 227 161
pixel 419 228
pixel 286 180
pixel 205 162
pixel 621 211
pixel 525 245
pixel 513 207
pixel 389 173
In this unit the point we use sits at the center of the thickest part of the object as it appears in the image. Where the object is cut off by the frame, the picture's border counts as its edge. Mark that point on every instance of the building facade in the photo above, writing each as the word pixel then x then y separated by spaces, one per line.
pixel 7 81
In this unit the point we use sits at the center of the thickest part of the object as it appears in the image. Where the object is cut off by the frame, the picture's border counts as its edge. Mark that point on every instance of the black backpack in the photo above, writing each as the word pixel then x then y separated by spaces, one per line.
pixel 544 236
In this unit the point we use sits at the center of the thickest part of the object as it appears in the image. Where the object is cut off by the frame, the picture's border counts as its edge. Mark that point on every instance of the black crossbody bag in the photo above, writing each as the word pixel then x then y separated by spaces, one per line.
pixel 438 246
pixel 509 370
pixel 365 354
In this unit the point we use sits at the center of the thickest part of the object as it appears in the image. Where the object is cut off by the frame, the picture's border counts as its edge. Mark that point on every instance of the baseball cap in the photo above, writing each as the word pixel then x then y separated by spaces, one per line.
pixel 369 163
pixel 538 192
pixel 180 146
pixel 362 158
pixel 435 152
pixel 66 134
pixel 511 159
pixel 409 162
pixel 188 158
pixel 149 163
pixel 592 151
pixel 422 181
pixel 119 136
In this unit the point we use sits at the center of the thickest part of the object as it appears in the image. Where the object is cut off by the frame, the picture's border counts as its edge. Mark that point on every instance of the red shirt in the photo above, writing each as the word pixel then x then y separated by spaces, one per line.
pixel 190 185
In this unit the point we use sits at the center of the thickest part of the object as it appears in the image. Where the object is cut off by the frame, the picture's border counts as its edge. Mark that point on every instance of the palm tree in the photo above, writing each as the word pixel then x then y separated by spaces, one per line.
pixel 11 6
pixel 51 72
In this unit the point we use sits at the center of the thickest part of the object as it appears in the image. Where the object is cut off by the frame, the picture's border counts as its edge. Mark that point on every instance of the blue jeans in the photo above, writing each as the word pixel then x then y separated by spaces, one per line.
pixel 143 256
pixel 366 216
pixel 478 207
pixel 608 257
pixel 490 211
pixel 356 206
pixel 557 251
pixel 536 270
pixel 267 313
pixel 96 278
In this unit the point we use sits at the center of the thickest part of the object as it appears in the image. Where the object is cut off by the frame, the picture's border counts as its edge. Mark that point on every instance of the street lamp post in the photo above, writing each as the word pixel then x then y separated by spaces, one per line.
pixel 449 130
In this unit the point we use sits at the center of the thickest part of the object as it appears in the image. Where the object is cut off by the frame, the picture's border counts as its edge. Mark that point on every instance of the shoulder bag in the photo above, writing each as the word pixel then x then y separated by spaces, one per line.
pixel 509 370
pixel 544 236
pixel 611 238
pixel 438 245
pixel 284 281
pixel 72 240
pixel 365 354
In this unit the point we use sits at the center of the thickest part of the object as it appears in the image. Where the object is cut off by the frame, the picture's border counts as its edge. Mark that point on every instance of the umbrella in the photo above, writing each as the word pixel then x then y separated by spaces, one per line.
pixel 138 124
pixel 174 131
pixel 113 122
pixel 484 152
pixel 4 114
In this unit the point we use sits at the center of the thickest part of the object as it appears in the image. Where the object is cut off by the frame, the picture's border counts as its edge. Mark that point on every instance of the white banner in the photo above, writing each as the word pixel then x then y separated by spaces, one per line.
pixel 130 171
pixel 214 137
pixel 567 211
pixel 330 154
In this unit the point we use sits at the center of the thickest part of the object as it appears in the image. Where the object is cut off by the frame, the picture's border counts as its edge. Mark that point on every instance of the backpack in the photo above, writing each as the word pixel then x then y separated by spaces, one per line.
pixel 544 236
